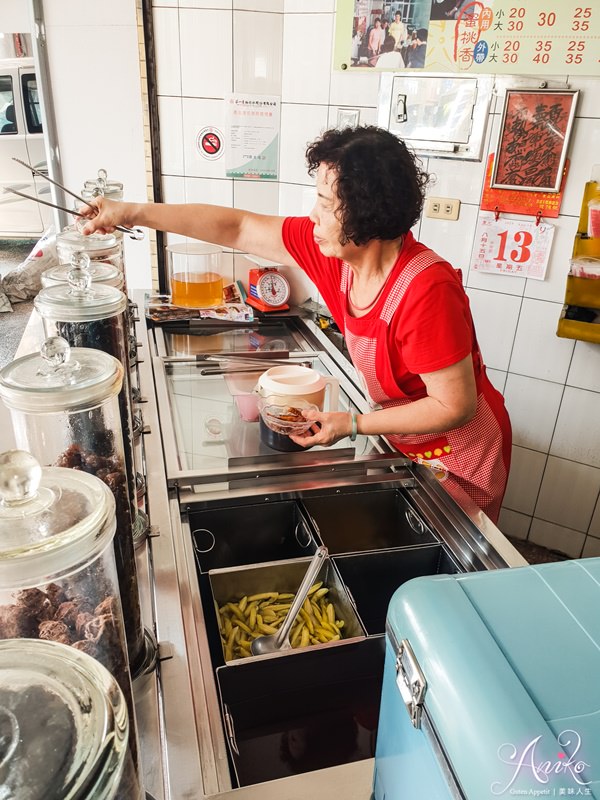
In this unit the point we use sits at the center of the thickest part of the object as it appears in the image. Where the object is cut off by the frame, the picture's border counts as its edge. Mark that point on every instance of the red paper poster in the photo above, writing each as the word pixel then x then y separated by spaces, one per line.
pixel 515 201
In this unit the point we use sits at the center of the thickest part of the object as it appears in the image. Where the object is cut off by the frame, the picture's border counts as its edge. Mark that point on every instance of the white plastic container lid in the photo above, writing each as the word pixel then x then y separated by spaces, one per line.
pixel 60 378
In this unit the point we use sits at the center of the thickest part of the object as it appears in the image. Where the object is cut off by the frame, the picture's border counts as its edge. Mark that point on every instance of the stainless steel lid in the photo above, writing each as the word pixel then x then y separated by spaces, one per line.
pixel 53 521
pixel 63 723
pixel 60 378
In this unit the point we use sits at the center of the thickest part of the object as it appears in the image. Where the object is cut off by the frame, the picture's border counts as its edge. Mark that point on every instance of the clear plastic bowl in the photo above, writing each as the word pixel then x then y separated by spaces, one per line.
pixel 286 419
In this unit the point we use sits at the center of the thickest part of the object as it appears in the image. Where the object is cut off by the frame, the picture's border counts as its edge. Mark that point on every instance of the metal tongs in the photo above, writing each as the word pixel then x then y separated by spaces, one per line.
pixel 225 364
pixel 134 233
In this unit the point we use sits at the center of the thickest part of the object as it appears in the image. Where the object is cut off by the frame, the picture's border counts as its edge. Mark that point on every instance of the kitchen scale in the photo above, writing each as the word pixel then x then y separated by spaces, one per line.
pixel 268 289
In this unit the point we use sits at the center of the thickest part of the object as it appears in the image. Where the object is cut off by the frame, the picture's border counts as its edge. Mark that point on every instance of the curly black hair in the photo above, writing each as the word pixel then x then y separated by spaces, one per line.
pixel 379 181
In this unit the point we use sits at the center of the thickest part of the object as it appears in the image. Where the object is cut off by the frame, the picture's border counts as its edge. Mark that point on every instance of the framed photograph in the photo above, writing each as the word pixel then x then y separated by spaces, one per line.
pixel 534 136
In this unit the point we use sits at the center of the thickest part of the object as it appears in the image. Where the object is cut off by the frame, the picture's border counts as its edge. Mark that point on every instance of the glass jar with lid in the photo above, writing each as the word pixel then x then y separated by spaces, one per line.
pixel 95 316
pixel 58 577
pixel 64 405
pixel 64 726
pixel 100 272
pixel 106 247
pixel 101 185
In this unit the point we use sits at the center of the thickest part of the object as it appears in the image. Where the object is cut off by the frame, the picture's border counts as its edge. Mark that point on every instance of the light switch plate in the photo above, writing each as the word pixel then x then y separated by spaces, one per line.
pixel 442 208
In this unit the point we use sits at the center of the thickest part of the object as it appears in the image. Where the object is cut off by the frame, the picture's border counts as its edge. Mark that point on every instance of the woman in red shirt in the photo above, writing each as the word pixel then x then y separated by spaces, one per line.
pixel 401 307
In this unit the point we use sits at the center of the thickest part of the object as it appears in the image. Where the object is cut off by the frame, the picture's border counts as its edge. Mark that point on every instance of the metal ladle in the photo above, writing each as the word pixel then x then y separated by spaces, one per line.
pixel 280 640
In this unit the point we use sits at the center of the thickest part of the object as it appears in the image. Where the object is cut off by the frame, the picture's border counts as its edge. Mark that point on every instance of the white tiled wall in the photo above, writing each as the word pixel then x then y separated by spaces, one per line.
pixel 552 386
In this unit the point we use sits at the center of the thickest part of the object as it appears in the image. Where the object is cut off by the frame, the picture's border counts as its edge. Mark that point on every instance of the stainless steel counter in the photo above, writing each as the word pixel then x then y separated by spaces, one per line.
pixel 183 743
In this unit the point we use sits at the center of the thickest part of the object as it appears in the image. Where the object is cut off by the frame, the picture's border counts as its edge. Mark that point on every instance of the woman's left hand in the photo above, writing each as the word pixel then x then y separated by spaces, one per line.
pixel 327 428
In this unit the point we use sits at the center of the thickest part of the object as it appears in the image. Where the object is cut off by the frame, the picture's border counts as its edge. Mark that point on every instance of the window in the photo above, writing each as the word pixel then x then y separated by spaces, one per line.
pixel 31 101
pixel 8 118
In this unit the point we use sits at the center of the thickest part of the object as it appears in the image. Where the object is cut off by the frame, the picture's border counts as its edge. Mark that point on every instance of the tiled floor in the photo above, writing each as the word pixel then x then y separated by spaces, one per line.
pixel 536 554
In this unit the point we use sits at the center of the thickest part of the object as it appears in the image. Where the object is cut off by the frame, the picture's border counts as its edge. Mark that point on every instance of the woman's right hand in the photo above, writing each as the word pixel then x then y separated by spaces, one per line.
pixel 104 215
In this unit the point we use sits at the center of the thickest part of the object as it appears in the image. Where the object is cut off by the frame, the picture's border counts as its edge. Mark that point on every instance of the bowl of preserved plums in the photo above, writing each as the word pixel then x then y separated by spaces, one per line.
pixel 279 420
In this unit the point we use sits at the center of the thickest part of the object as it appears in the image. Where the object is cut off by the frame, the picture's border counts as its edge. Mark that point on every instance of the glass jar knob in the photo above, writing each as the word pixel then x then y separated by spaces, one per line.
pixel 20 476
pixel 56 355
pixel 102 175
pixel 79 278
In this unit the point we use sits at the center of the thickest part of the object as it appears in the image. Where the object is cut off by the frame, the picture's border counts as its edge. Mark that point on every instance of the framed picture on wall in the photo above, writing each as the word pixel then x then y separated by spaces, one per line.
pixel 534 136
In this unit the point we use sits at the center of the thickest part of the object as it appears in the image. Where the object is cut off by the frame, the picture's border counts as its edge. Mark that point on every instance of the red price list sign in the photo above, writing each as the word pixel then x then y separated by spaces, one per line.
pixel 534 37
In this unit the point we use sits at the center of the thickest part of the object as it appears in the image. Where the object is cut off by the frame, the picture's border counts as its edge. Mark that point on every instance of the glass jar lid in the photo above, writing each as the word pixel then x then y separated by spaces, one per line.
pixel 102 186
pixel 80 299
pixel 53 521
pixel 60 378
pixel 63 723
pixel 101 272
pixel 95 243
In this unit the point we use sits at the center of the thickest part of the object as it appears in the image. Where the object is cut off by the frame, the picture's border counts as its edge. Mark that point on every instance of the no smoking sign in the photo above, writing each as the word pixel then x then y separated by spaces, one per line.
pixel 209 143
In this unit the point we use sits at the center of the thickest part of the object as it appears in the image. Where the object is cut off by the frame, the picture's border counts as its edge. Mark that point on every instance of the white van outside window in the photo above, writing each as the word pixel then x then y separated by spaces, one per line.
pixel 21 136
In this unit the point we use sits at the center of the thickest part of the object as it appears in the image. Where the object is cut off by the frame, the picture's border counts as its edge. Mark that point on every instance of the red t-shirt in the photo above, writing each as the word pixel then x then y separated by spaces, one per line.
pixel 432 326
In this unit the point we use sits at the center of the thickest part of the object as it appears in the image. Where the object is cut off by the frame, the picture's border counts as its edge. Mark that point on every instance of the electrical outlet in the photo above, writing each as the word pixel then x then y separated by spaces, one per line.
pixel 442 208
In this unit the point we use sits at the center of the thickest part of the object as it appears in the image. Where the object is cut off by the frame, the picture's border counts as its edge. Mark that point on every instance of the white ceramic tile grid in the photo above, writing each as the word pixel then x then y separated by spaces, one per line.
pixel 257 52
pixel 197 115
pixel 258 5
pixel 206 37
pixel 170 113
pixel 525 478
pixel 165 3
pixel 585 141
pixel 553 286
pixel 301 287
pixel 591 548
pixel 556 537
pixel 594 528
pixel 577 432
pixel 300 125
pixel 262 197
pixel 66 14
pixel 307 6
pixel 296 200
pixel 495 316
pixel 307 43
pixel 173 189
pixel 461 179
pixel 568 493
pixel 537 351
pixel 497 378
pixel 533 407
pixel 585 367
pixel 354 89
pixel 176 238
pixel 206 190
pixel 168 61
pixel 587 104
pixel 367 116
pixel 514 524
pixel 204 4
pixel 452 240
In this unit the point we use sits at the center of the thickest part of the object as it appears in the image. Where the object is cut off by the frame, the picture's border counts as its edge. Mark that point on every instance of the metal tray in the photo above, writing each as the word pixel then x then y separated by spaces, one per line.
pixel 372 578
pixel 284 576
pixel 358 520
pixel 236 535
pixel 297 714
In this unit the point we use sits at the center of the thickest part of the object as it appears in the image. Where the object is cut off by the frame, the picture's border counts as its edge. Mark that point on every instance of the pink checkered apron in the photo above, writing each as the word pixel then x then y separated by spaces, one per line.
pixel 471 459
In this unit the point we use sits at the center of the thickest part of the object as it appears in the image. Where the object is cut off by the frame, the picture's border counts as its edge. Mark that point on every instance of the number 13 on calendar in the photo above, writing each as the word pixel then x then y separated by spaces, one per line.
pixel 518 247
